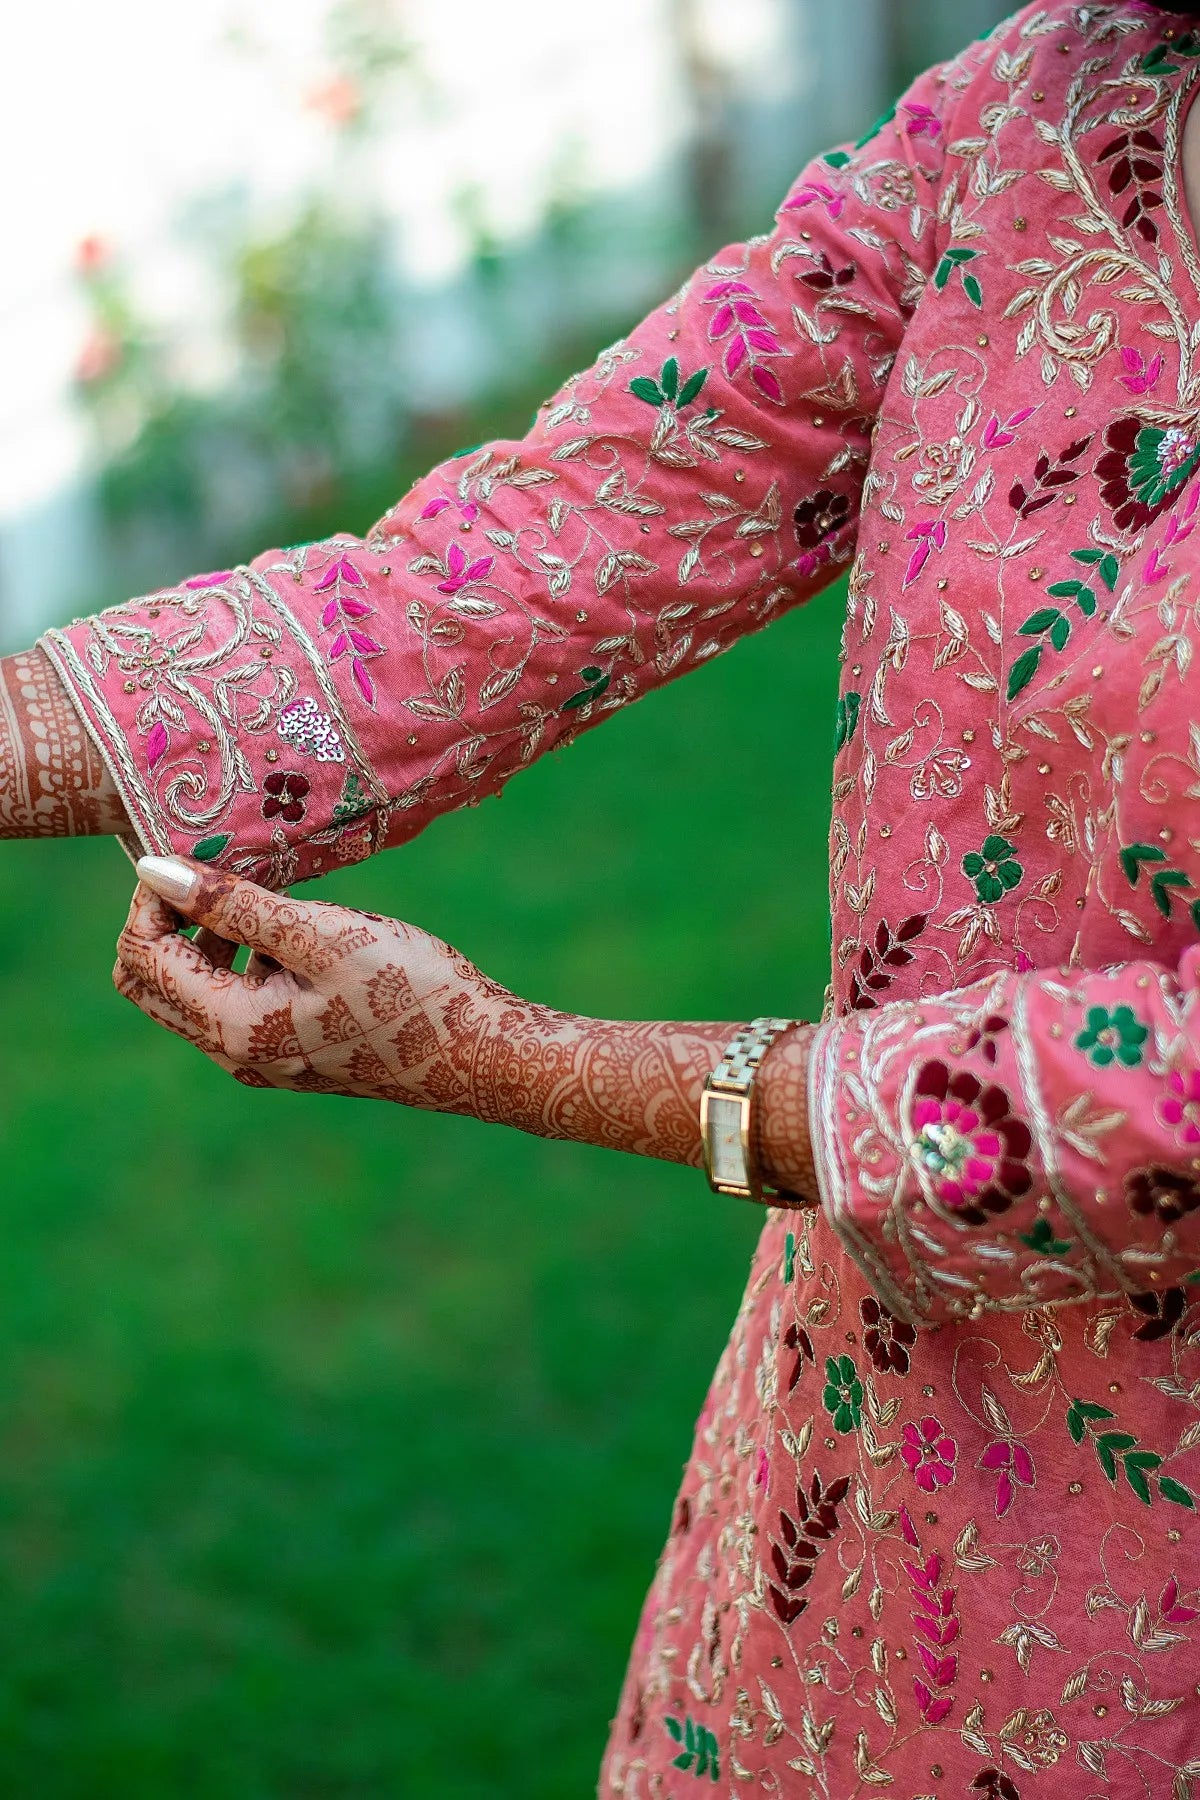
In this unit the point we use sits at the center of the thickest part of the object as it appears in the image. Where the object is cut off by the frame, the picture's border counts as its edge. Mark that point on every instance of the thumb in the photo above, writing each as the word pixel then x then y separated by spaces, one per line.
pixel 291 931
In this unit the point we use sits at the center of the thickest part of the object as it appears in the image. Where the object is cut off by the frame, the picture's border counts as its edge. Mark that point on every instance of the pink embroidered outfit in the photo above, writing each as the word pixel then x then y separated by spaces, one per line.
pixel 937 1533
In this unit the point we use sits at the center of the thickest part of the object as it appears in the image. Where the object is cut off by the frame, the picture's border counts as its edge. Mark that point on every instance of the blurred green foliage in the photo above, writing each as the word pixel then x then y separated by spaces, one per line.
pixel 338 1442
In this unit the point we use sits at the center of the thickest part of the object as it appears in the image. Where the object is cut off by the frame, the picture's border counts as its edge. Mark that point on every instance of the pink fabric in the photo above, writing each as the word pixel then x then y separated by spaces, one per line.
pixel 937 1533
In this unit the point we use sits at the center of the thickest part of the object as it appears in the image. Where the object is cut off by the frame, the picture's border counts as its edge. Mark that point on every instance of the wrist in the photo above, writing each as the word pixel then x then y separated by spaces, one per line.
pixel 782 1128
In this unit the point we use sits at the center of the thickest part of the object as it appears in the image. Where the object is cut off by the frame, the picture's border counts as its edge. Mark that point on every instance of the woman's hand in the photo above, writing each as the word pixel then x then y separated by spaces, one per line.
pixel 334 1001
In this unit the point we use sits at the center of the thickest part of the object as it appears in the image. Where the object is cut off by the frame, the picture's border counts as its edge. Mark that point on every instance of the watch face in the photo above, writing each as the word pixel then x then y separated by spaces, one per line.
pixel 725 1139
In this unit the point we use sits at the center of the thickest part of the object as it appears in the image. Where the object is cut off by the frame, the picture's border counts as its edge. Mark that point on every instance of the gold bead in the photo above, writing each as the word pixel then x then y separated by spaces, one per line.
pixel 968 736
pixel 129 687
pixel 936 1771
pixel 1036 574
pixel 272 756
pixel 1166 834
pixel 943 583
pixel 928 1392
pixel 386 569
pixel 1043 768
pixel 931 1518
pixel 1098 671
pixel 856 1631
pixel 756 549
pixel 1101 1711
pixel 552 679
pixel 1070 412
pixel 581 616
pixel 1114 1387
pixel 204 746
pixel 985 1674
pixel 819 420
pixel 885 831
pixel 1037 94
pixel 901 1653
pixel 739 474
pixel 1019 223
pixel 266 653
pixel 885 545
pixel 983 338
pixel 1076 1487
pixel 1070 499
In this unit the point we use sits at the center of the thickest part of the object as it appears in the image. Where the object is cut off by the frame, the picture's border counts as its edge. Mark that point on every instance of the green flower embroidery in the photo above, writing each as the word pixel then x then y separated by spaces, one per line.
pixel 993 869
pixel 1109 1037
pixel 843 1393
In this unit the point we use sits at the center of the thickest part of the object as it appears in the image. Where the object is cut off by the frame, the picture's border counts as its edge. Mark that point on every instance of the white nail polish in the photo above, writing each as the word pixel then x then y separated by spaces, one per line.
pixel 168 877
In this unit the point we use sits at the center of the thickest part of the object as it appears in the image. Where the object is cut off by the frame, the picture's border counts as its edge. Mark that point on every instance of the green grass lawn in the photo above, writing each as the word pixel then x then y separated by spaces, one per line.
pixel 337 1443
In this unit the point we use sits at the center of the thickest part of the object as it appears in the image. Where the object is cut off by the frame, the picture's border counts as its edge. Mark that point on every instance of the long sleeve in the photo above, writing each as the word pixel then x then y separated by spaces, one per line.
pixel 326 700
pixel 1032 1137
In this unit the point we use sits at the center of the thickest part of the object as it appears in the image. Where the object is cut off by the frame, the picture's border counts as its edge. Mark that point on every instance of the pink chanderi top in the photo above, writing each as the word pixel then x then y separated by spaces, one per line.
pixel 937 1535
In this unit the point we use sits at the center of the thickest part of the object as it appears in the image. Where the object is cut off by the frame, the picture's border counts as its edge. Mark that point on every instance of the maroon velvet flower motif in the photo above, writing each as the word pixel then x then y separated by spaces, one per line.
pixel 796 1338
pixel 1167 1193
pixel 886 1339
pixel 820 518
pixel 984 1038
pixel 1163 1312
pixel 993 1784
pixel 1143 469
pixel 824 276
pixel 286 797
pixel 972 1148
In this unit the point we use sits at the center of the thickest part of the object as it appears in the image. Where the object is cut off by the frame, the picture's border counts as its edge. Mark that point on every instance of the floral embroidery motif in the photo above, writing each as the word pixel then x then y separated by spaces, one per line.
pixel 994 869
pixel 969 1142
pixel 886 1339
pixel 929 1454
pixel 1116 1036
pixel 286 797
pixel 843 1395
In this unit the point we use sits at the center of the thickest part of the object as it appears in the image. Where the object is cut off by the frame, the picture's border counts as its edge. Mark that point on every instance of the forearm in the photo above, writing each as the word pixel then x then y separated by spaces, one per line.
pixel 635 1086
pixel 53 783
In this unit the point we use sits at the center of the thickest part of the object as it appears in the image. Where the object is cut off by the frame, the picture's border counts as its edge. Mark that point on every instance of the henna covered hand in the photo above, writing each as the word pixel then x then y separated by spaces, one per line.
pixel 53 782
pixel 345 1002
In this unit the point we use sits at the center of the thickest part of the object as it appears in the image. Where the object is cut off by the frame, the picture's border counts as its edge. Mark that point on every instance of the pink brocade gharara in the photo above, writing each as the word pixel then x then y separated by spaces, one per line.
pixel 937 1533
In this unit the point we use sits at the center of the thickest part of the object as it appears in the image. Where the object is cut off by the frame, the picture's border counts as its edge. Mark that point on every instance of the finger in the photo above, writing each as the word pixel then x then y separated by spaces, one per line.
pixel 219 951
pixel 213 1006
pixel 307 937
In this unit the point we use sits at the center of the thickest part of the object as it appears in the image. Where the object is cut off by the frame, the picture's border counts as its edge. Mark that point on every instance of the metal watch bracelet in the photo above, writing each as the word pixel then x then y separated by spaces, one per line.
pixel 726 1123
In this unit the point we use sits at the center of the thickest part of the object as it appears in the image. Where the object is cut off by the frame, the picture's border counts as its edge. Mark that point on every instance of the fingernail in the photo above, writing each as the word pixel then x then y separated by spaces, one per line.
pixel 168 877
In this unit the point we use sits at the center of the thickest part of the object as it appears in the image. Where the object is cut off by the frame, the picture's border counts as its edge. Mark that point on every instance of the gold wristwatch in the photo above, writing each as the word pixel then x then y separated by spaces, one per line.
pixel 725 1122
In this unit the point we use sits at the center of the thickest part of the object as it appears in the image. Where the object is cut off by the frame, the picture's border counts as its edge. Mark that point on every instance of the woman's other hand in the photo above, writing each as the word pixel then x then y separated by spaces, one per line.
pixel 333 1000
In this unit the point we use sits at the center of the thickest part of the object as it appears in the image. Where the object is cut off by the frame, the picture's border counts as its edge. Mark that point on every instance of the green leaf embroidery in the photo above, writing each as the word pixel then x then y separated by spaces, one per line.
pixel 669 379
pixel 1041 620
pixel 692 387
pixel 675 1729
pixel 836 159
pixel 789 1256
pixel 209 848
pixel 1175 1490
pixel 1043 1241
pixel 593 692
pixel 1115 1448
pixel 1133 855
pixel 1060 631
pixel 1024 670
pixel 1160 884
pixel 972 290
pixel 647 390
